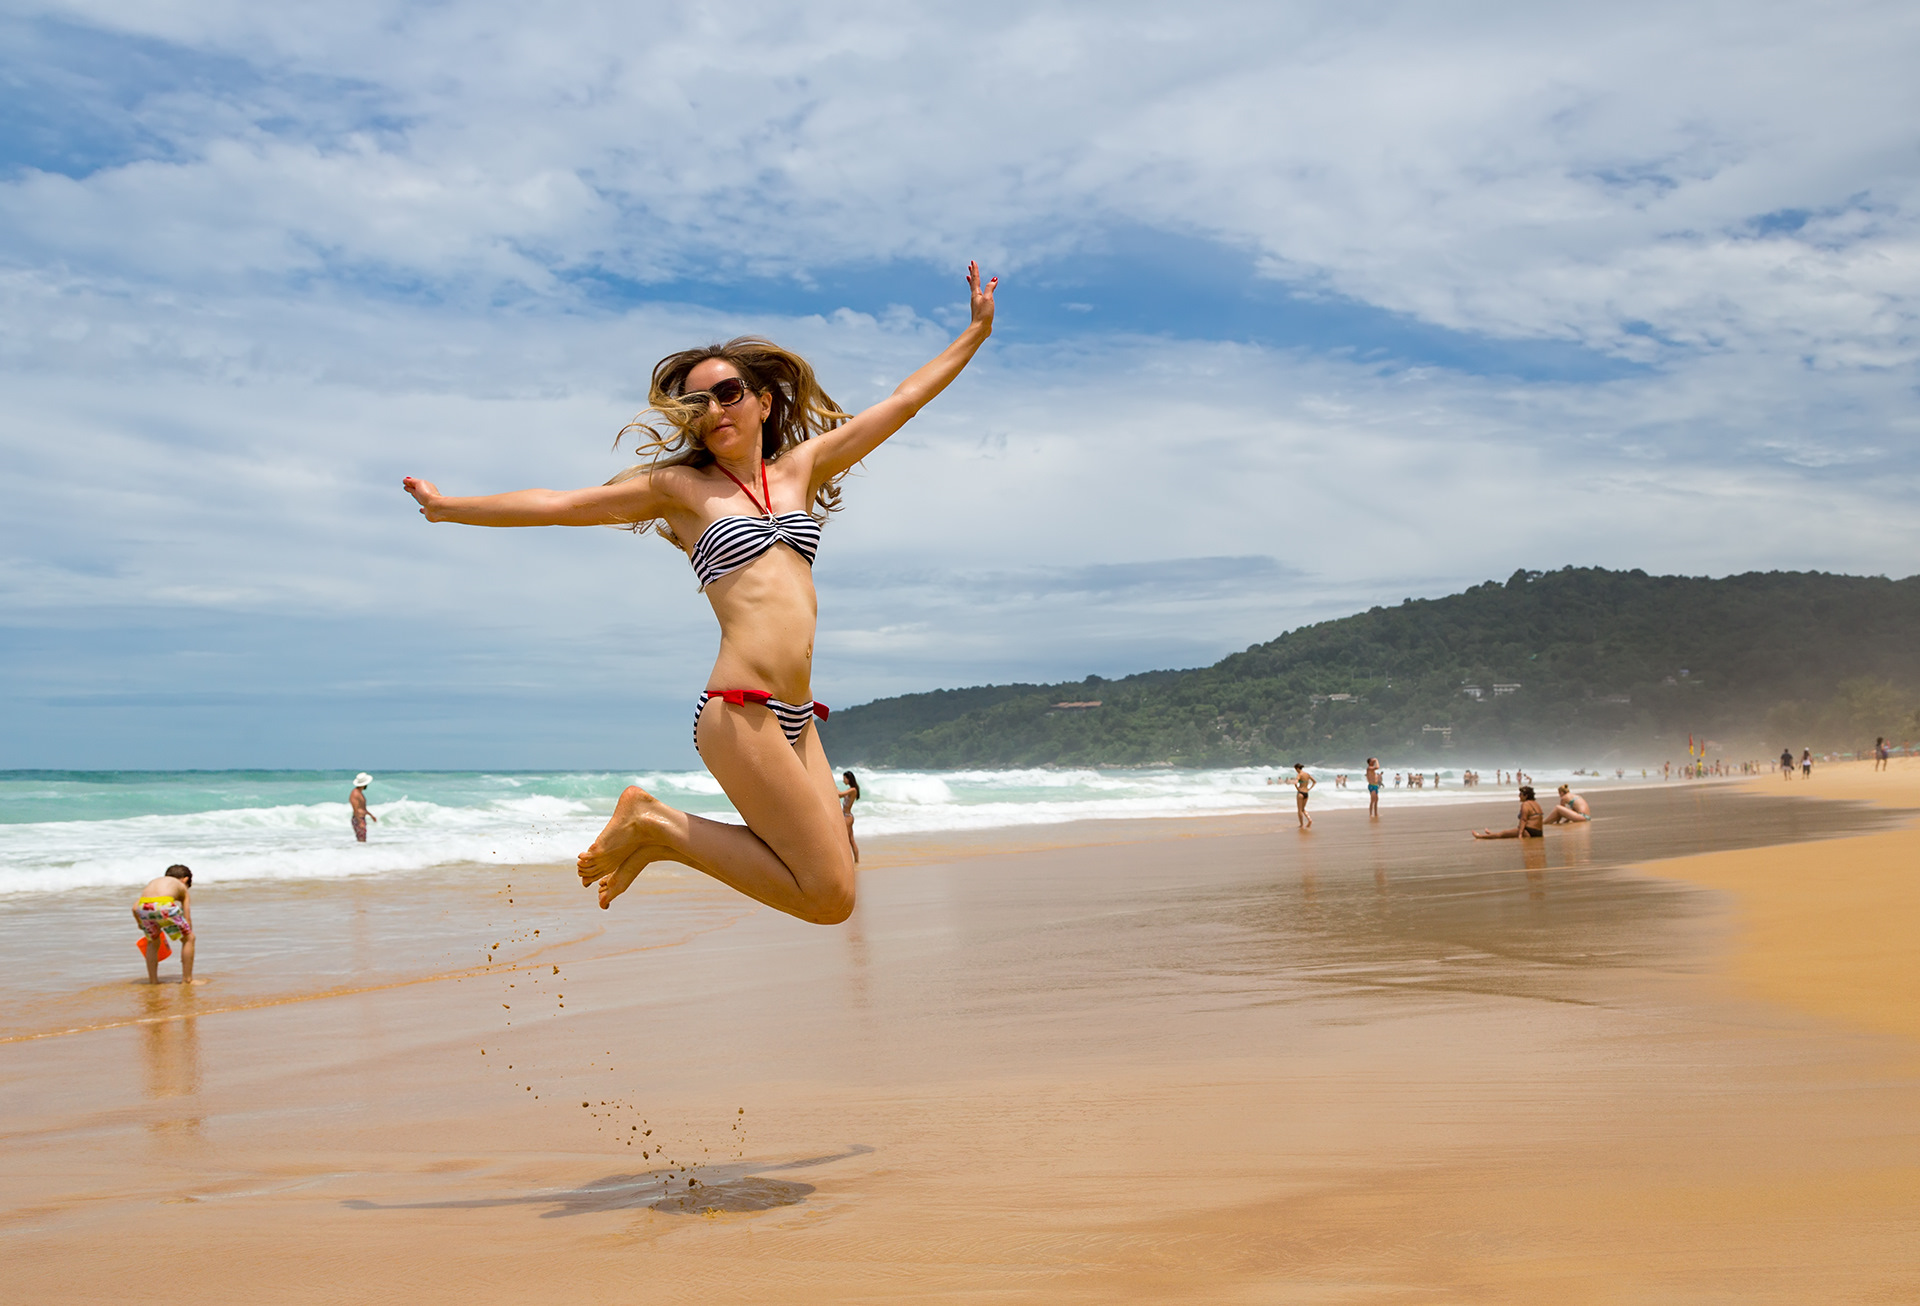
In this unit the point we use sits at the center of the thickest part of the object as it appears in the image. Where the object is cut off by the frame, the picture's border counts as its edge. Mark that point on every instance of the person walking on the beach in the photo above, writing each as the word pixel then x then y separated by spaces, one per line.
pixel 162 912
pixel 1374 779
pixel 741 478
pixel 1303 783
pixel 1571 808
pixel 357 801
pixel 848 797
pixel 1786 764
pixel 1528 825
pixel 1806 763
pixel 1879 752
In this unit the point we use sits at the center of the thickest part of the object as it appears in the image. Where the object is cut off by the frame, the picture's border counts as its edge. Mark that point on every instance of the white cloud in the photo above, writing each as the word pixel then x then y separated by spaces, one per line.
pixel 1565 173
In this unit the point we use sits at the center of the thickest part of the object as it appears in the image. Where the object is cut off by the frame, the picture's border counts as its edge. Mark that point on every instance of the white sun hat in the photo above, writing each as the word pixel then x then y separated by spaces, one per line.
pixel 362 780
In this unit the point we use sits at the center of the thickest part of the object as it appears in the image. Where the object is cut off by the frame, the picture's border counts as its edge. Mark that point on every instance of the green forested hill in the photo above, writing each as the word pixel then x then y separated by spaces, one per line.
pixel 1588 660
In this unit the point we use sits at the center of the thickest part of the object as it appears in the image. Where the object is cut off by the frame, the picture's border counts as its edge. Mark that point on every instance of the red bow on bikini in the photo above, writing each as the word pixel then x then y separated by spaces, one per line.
pixel 758 697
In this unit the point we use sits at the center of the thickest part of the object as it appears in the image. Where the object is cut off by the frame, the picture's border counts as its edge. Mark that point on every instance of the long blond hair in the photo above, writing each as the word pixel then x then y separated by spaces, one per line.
pixel 800 411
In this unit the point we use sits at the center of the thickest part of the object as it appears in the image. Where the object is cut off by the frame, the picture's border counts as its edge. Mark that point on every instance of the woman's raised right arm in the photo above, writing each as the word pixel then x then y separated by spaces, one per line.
pixel 635 500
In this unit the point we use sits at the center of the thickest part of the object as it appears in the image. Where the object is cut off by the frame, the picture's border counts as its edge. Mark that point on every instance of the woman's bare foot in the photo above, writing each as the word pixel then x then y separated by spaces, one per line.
pixel 617 883
pixel 639 820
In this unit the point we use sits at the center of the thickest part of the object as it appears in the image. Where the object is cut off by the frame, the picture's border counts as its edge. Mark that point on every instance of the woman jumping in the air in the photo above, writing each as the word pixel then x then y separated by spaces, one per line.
pixel 741 480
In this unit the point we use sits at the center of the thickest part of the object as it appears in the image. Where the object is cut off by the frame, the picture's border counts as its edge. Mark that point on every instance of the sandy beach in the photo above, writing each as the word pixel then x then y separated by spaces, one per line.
pixel 1670 1056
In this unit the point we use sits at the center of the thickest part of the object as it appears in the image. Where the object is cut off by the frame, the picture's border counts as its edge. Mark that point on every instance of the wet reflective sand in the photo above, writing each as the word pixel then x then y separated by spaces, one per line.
pixel 1197 1061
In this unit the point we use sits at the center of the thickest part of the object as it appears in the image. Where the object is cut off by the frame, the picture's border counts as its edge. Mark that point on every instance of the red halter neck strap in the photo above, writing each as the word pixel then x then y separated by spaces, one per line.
pixel 766 509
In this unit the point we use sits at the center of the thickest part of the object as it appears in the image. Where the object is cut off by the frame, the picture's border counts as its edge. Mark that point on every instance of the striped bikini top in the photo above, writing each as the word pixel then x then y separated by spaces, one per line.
pixel 732 542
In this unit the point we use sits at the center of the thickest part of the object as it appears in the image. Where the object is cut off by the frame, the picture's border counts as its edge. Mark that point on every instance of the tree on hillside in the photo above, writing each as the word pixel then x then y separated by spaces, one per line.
pixel 1580 659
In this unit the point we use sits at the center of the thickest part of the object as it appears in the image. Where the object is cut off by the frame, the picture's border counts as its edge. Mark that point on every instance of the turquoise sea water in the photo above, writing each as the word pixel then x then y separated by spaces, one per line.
pixel 71 829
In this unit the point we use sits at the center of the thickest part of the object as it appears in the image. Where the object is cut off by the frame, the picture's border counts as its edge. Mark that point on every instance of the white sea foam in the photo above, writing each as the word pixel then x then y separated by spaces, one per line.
pixel 82 834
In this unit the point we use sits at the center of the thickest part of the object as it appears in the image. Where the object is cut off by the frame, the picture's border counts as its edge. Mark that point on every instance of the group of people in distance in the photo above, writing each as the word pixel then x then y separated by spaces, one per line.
pixel 1571 809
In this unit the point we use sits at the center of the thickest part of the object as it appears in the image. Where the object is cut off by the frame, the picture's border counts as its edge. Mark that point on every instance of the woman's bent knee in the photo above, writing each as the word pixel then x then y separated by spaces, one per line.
pixel 833 909
pixel 829 892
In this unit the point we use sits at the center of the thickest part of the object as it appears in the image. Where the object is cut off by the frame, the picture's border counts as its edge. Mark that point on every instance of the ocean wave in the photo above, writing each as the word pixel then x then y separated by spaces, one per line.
pixel 129 835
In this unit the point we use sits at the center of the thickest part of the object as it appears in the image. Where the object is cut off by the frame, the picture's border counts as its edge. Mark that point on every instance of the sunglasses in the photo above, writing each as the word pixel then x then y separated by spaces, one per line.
pixel 726 392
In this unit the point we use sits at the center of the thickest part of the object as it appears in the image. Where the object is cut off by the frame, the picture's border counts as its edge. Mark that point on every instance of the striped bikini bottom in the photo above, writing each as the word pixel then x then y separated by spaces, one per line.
pixel 793 717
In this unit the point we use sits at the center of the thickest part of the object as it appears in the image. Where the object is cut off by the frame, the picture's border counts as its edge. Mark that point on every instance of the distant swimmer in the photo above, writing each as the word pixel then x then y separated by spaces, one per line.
pixel 1303 783
pixel 1374 779
pixel 1572 808
pixel 163 912
pixel 357 800
pixel 742 455
pixel 1528 826
pixel 848 797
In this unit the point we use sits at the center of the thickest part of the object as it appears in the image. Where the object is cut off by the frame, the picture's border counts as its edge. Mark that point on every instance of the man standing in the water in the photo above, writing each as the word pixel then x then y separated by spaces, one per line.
pixel 357 800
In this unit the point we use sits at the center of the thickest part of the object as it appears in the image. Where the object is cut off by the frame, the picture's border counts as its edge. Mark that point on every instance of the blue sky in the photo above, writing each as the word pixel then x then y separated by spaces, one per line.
pixel 1305 307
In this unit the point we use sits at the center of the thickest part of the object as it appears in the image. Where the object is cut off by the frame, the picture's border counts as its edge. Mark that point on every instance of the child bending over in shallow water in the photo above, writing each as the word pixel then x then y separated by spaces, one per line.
pixel 163 911
pixel 741 479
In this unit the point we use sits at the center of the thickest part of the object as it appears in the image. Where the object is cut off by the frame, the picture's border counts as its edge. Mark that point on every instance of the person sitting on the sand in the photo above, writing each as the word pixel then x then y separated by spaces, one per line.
pixel 1528 826
pixel 162 911
pixel 1572 808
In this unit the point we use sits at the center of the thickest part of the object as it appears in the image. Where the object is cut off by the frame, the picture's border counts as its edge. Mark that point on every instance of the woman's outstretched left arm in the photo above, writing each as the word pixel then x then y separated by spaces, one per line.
pixel 859 436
